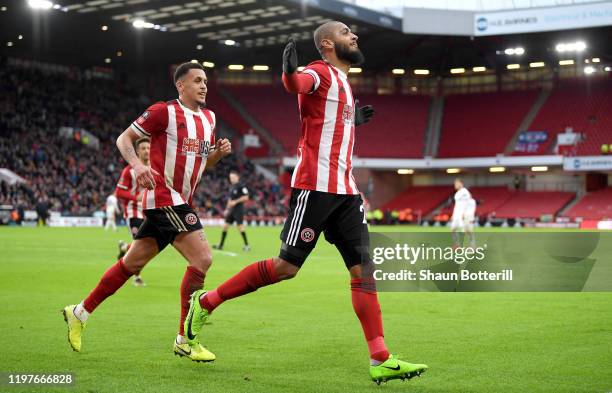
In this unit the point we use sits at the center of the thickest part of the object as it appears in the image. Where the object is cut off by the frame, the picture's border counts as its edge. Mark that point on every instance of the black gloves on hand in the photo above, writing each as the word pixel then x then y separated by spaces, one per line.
pixel 362 114
pixel 290 59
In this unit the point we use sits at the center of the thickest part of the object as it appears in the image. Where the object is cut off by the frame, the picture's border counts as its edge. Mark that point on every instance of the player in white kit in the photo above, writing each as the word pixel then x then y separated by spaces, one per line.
pixel 112 207
pixel 463 214
pixel 469 217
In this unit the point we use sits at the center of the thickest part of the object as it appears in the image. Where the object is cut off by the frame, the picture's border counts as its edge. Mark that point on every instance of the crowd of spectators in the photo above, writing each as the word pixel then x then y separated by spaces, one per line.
pixel 75 179
pixel 266 197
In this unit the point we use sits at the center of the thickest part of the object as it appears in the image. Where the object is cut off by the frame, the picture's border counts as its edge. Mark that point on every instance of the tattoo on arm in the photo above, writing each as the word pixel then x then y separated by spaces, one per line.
pixel 128 152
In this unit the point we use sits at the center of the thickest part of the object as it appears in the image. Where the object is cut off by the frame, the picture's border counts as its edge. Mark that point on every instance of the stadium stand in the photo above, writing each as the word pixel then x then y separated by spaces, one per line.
pixel 74 178
pixel 581 104
pixel 274 109
pixel 33 105
pixel 595 205
pixel 421 199
pixel 534 204
pixel 401 119
pixel 489 199
pixel 227 114
pixel 482 124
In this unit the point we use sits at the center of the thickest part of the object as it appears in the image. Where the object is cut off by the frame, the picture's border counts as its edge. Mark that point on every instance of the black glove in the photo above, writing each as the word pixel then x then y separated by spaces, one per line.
pixel 363 114
pixel 290 59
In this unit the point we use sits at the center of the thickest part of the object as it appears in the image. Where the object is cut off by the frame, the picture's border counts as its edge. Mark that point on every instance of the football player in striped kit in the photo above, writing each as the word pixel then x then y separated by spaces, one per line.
pixel 183 143
pixel 324 197
pixel 129 193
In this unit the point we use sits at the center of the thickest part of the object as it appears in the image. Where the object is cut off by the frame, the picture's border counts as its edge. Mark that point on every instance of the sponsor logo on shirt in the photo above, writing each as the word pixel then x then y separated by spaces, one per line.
pixel 193 146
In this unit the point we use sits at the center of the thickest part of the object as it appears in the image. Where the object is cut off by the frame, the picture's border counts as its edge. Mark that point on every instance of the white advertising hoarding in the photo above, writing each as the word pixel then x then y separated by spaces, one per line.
pixel 61 221
pixel 588 163
pixel 543 19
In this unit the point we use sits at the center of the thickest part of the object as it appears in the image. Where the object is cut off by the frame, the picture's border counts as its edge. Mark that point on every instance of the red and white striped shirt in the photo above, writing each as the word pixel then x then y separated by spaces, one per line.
pixel 132 208
pixel 327 119
pixel 181 140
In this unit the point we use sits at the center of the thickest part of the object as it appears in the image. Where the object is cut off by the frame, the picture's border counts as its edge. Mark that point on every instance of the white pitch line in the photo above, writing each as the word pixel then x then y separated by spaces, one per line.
pixel 228 253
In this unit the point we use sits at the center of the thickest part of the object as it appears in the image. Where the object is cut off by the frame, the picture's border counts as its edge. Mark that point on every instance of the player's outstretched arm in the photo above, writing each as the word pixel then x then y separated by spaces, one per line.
pixel 294 82
pixel 222 149
pixel 144 174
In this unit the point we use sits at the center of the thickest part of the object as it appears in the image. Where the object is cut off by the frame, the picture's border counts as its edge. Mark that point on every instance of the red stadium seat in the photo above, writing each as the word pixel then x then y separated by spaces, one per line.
pixel 274 109
pixel 482 124
pixel 421 199
pixel 593 206
pixel 489 199
pixel 534 204
pixel 397 130
pixel 581 104
pixel 226 113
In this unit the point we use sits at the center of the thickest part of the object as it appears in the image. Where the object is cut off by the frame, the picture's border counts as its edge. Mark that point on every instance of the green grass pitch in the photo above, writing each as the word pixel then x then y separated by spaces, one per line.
pixel 299 335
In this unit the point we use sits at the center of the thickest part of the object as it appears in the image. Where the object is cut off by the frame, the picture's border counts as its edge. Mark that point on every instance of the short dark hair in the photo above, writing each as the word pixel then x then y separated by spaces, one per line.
pixel 326 30
pixel 142 140
pixel 184 68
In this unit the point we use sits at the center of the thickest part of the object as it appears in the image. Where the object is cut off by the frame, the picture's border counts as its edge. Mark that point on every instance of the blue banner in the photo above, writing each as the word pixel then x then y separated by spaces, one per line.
pixel 530 141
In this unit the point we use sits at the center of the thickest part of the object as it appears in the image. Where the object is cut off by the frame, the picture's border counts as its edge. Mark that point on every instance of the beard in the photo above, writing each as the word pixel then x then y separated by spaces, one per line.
pixel 352 56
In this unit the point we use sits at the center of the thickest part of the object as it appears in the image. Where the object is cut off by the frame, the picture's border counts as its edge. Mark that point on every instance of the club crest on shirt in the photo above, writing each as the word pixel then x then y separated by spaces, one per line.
pixel 143 117
pixel 193 146
pixel 347 114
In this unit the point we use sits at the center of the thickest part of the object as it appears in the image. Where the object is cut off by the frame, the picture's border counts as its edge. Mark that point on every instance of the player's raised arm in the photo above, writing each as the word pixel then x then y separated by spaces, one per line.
pixel 144 174
pixel 295 82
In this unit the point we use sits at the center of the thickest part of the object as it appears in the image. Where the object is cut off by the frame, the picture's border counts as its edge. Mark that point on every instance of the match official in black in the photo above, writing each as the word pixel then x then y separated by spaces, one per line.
pixel 234 211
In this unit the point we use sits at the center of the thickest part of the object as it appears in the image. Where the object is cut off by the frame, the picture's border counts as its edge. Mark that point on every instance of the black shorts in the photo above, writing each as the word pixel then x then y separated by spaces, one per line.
pixel 340 217
pixel 166 222
pixel 134 224
pixel 235 216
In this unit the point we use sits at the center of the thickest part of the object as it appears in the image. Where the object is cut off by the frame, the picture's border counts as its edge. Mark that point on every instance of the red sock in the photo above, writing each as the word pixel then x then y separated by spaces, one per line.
pixel 249 279
pixel 192 281
pixel 365 304
pixel 112 280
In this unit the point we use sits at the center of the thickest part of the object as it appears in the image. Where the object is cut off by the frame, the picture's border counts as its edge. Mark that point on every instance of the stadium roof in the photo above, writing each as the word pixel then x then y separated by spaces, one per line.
pixel 73 30
pixel 88 32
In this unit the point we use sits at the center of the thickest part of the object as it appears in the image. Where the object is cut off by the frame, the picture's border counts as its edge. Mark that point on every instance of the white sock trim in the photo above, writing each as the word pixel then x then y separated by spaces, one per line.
pixel 80 312
pixel 375 362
